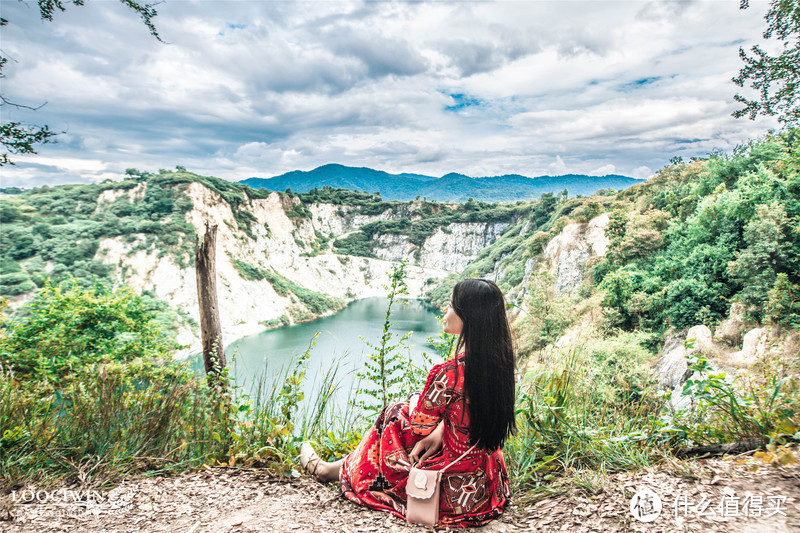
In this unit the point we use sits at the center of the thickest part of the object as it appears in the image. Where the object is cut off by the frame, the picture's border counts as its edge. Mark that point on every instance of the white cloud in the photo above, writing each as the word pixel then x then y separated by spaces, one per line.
pixel 602 171
pixel 557 168
pixel 260 88
pixel 642 172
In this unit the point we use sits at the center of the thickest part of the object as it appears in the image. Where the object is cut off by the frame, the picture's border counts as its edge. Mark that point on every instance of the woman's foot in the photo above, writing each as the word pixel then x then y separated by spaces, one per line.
pixel 311 463
pixel 309 459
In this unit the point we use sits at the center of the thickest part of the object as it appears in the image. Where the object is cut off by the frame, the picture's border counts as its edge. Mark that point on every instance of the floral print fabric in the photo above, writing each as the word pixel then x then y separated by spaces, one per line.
pixel 474 489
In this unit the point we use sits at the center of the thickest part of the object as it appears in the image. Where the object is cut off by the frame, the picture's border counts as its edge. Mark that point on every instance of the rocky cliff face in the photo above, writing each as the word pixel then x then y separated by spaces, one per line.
pixel 450 248
pixel 569 251
pixel 290 247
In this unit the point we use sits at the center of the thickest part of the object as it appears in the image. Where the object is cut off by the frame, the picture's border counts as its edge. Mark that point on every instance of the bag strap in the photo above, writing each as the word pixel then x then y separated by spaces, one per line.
pixel 459 458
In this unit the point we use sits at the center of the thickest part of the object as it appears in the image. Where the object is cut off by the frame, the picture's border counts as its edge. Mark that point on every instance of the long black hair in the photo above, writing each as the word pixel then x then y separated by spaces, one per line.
pixel 488 363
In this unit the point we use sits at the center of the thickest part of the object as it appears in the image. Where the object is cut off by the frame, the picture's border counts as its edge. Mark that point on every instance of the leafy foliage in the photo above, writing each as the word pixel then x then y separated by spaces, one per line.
pixel 68 327
pixel 18 138
pixel 547 313
pixel 385 366
pixel 717 230
pixel 776 78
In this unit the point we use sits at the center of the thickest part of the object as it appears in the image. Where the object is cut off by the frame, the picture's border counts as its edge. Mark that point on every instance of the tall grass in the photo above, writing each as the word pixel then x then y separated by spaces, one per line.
pixel 108 420
pixel 114 419
pixel 762 404
pixel 568 422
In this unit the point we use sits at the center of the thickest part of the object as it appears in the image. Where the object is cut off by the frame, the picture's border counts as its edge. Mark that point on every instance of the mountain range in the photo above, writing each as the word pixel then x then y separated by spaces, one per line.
pixel 451 187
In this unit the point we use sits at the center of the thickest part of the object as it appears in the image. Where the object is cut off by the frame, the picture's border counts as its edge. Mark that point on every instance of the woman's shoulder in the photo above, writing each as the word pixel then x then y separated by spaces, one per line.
pixel 451 363
pixel 448 368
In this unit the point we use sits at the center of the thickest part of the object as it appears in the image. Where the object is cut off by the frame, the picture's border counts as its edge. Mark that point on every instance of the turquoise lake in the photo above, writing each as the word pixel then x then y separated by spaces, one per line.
pixel 266 355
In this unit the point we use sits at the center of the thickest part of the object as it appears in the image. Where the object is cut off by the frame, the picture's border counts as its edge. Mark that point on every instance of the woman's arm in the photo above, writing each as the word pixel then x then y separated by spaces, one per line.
pixel 432 403
pixel 427 446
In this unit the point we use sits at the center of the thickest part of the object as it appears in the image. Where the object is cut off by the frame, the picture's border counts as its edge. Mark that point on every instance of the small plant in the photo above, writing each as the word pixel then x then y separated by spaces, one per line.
pixel 764 405
pixel 384 367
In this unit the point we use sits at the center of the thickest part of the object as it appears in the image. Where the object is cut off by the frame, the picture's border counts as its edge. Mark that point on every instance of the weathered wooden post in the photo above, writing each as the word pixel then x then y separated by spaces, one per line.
pixel 210 328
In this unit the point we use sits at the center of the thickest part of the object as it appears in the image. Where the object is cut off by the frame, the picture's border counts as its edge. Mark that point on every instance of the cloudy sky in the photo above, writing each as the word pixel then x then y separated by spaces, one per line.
pixel 257 88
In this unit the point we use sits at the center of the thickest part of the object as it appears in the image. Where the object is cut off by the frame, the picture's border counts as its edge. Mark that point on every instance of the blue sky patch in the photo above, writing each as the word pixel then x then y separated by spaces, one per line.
pixel 638 84
pixel 462 101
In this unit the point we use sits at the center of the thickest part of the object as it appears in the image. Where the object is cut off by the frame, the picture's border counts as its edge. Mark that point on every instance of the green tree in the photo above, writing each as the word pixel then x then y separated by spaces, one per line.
pixel 756 266
pixel 19 138
pixel 776 78
pixel 548 310
pixel 68 327
pixel 783 306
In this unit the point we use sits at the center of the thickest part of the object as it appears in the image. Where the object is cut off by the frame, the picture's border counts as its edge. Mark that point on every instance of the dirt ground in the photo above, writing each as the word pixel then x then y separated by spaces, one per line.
pixel 738 494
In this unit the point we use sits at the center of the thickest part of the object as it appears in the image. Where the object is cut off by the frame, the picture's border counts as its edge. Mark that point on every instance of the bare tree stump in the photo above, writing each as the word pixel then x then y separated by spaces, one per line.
pixel 210 327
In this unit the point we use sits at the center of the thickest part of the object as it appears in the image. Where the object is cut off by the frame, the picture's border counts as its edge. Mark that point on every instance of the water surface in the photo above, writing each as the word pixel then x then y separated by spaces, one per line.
pixel 264 355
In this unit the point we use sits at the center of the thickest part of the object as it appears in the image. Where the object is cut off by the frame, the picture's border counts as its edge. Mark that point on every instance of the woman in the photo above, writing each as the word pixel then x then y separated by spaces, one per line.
pixel 468 400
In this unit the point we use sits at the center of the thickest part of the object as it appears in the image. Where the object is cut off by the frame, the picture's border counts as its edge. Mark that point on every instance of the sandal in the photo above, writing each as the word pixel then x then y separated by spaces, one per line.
pixel 307 457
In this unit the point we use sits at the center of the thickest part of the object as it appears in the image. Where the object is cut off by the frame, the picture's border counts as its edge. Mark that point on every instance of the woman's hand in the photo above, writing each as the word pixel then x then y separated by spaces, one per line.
pixel 412 402
pixel 427 446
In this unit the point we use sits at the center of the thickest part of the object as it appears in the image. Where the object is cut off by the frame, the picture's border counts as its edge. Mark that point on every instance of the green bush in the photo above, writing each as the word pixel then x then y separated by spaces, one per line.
pixel 248 271
pixel 14 278
pixel 20 288
pixel 282 320
pixel 358 244
pixel 8 266
pixel 67 327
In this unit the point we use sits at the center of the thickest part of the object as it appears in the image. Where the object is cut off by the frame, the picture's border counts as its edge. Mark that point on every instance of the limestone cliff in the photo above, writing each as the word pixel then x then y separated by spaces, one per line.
pixel 569 251
pixel 450 248
pixel 296 248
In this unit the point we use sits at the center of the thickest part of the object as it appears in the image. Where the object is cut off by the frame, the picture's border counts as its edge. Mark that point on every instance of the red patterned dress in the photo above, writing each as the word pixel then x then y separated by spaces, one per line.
pixel 474 490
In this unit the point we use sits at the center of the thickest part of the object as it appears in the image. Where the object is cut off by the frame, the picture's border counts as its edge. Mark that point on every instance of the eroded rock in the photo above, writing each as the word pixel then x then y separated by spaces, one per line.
pixel 569 251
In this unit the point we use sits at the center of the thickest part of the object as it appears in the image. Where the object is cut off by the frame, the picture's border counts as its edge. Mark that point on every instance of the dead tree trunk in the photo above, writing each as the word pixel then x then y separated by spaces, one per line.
pixel 210 328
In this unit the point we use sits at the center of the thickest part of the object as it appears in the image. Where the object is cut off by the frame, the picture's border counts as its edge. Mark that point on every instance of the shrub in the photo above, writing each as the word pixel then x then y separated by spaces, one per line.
pixel 14 290
pixel 69 327
pixel 248 271
pixel 358 244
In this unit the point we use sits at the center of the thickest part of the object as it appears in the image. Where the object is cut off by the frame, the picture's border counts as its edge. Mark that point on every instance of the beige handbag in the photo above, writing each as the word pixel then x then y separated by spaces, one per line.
pixel 422 489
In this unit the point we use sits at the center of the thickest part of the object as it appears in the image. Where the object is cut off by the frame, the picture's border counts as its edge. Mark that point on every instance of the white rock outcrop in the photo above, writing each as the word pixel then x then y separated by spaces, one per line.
pixel 449 248
pixel 569 251
pixel 672 370
pixel 731 329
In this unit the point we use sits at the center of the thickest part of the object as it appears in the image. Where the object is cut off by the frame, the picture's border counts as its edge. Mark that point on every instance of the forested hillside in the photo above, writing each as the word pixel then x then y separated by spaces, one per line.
pixel 452 187
pixel 685 245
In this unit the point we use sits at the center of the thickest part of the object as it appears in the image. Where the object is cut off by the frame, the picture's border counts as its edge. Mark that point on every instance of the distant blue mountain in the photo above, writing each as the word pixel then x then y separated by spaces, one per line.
pixel 449 188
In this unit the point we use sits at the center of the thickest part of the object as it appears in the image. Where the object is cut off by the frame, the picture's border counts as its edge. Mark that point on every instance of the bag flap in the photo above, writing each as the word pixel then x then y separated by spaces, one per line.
pixel 422 483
